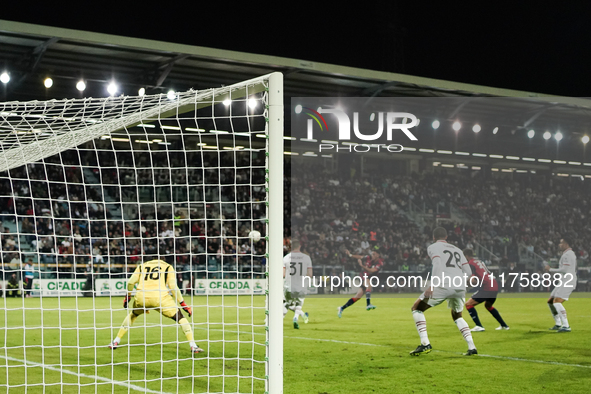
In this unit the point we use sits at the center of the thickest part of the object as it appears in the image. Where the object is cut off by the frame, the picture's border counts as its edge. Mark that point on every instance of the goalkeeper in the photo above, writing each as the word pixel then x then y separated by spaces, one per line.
pixel 155 281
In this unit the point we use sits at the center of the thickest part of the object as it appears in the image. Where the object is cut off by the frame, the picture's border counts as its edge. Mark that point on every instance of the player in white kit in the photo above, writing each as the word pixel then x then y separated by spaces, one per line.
pixel 567 267
pixel 296 266
pixel 448 282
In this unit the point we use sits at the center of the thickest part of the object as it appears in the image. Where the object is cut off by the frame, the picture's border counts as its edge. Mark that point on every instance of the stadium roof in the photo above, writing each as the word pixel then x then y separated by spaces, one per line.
pixel 30 53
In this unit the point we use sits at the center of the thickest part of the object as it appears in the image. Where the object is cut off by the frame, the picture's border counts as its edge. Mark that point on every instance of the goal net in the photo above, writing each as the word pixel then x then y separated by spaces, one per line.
pixel 91 188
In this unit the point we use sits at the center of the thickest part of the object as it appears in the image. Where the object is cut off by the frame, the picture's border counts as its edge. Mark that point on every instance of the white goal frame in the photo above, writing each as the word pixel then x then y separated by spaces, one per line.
pixel 18 147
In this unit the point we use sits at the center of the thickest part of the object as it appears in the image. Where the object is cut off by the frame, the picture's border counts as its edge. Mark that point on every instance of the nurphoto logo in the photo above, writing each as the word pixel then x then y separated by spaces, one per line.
pixel 390 124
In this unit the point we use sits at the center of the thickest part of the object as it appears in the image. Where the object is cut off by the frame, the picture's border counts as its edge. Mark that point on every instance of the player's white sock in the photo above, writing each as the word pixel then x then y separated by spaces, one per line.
pixel 299 312
pixel 466 333
pixel 284 311
pixel 555 314
pixel 561 313
pixel 192 344
pixel 421 324
pixel 117 340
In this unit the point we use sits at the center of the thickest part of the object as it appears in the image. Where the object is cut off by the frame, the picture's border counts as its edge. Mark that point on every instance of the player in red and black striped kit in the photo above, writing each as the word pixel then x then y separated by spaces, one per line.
pixel 487 293
pixel 370 264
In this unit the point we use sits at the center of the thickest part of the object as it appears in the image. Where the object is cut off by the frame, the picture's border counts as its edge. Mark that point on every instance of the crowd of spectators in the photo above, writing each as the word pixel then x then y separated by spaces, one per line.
pixel 78 214
pixel 108 209
pixel 500 214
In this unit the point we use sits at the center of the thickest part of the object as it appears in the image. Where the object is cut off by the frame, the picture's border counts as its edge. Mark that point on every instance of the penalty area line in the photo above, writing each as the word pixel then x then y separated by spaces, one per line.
pixel 82 375
pixel 536 361
pixel 443 351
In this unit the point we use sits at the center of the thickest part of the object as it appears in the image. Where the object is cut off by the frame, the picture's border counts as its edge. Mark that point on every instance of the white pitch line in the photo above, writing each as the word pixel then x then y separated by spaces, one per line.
pixel 536 361
pixel 441 351
pixel 95 377
pixel 388 346
pixel 438 351
pixel 337 341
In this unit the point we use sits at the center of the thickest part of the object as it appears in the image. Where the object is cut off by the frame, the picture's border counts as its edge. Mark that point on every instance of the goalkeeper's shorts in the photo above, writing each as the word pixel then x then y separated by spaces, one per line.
pixel 165 305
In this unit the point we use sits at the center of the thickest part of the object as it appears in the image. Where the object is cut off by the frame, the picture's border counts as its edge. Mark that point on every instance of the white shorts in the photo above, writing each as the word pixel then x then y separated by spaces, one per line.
pixel 562 292
pixel 455 298
pixel 293 299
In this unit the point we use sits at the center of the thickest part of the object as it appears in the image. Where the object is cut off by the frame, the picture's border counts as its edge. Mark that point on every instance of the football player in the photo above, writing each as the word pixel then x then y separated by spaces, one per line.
pixel 370 265
pixel 296 267
pixel 487 292
pixel 155 279
pixel 567 267
pixel 449 263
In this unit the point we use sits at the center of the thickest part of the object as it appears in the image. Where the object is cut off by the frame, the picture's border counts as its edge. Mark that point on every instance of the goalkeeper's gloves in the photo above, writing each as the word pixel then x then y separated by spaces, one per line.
pixel 126 301
pixel 187 308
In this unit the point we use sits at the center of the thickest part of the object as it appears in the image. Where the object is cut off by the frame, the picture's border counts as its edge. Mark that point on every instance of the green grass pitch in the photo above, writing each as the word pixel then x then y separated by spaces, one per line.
pixel 363 352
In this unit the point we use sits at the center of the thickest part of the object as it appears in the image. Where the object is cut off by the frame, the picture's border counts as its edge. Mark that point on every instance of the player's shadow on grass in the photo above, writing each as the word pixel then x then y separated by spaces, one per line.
pixel 540 332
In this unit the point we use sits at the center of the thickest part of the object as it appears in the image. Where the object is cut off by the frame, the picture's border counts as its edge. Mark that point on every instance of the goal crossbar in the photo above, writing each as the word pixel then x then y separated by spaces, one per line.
pixel 46 130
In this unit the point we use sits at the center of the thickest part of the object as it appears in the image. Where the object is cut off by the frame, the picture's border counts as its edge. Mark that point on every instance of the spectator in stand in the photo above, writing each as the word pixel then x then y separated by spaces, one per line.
pixel 12 286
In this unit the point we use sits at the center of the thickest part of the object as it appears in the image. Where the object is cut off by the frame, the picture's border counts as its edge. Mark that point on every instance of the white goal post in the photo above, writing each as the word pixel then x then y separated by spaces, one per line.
pixel 90 188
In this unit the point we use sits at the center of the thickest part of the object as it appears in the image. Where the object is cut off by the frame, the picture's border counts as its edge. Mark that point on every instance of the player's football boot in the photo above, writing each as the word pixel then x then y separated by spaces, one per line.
pixel 556 328
pixel 370 307
pixel 296 325
pixel 113 345
pixel 502 328
pixel 478 329
pixel 340 314
pixel 471 352
pixel 564 329
pixel 196 349
pixel 306 318
pixel 421 349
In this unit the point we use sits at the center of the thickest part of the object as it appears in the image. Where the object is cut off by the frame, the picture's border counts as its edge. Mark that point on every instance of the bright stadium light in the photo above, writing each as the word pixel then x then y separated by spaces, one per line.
pixel 252 103
pixel 48 82
pixel 227 102
pixel 81 85
pixel 141 92
pixel 585 139
pixel 531 133
pixel 547 135
pixel 171 95
pixel 476 128
pixel 558 136
pixel 298 109
pixel 456 126
pixel 435 124
pixel 495 130
pixel 112 88
pixel 4 77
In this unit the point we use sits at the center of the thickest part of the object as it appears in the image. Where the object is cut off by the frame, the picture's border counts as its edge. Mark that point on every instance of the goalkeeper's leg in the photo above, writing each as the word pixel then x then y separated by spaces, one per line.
pixel 170 309
pixel 186 327
pixel 127 323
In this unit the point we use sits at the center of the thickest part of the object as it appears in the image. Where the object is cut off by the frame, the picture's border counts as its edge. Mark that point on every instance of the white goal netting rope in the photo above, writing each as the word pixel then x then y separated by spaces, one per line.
pixel 90 189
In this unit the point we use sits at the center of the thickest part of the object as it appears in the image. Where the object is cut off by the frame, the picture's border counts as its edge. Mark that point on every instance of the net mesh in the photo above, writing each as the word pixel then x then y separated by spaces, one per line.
pixel 88 190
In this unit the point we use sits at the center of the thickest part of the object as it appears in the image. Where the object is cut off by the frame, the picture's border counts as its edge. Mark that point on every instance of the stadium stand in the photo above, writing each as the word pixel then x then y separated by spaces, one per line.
pixel 507 221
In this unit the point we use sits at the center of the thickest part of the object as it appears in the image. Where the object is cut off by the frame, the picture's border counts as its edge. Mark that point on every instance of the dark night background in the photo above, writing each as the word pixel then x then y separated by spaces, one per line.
pixel 521 46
